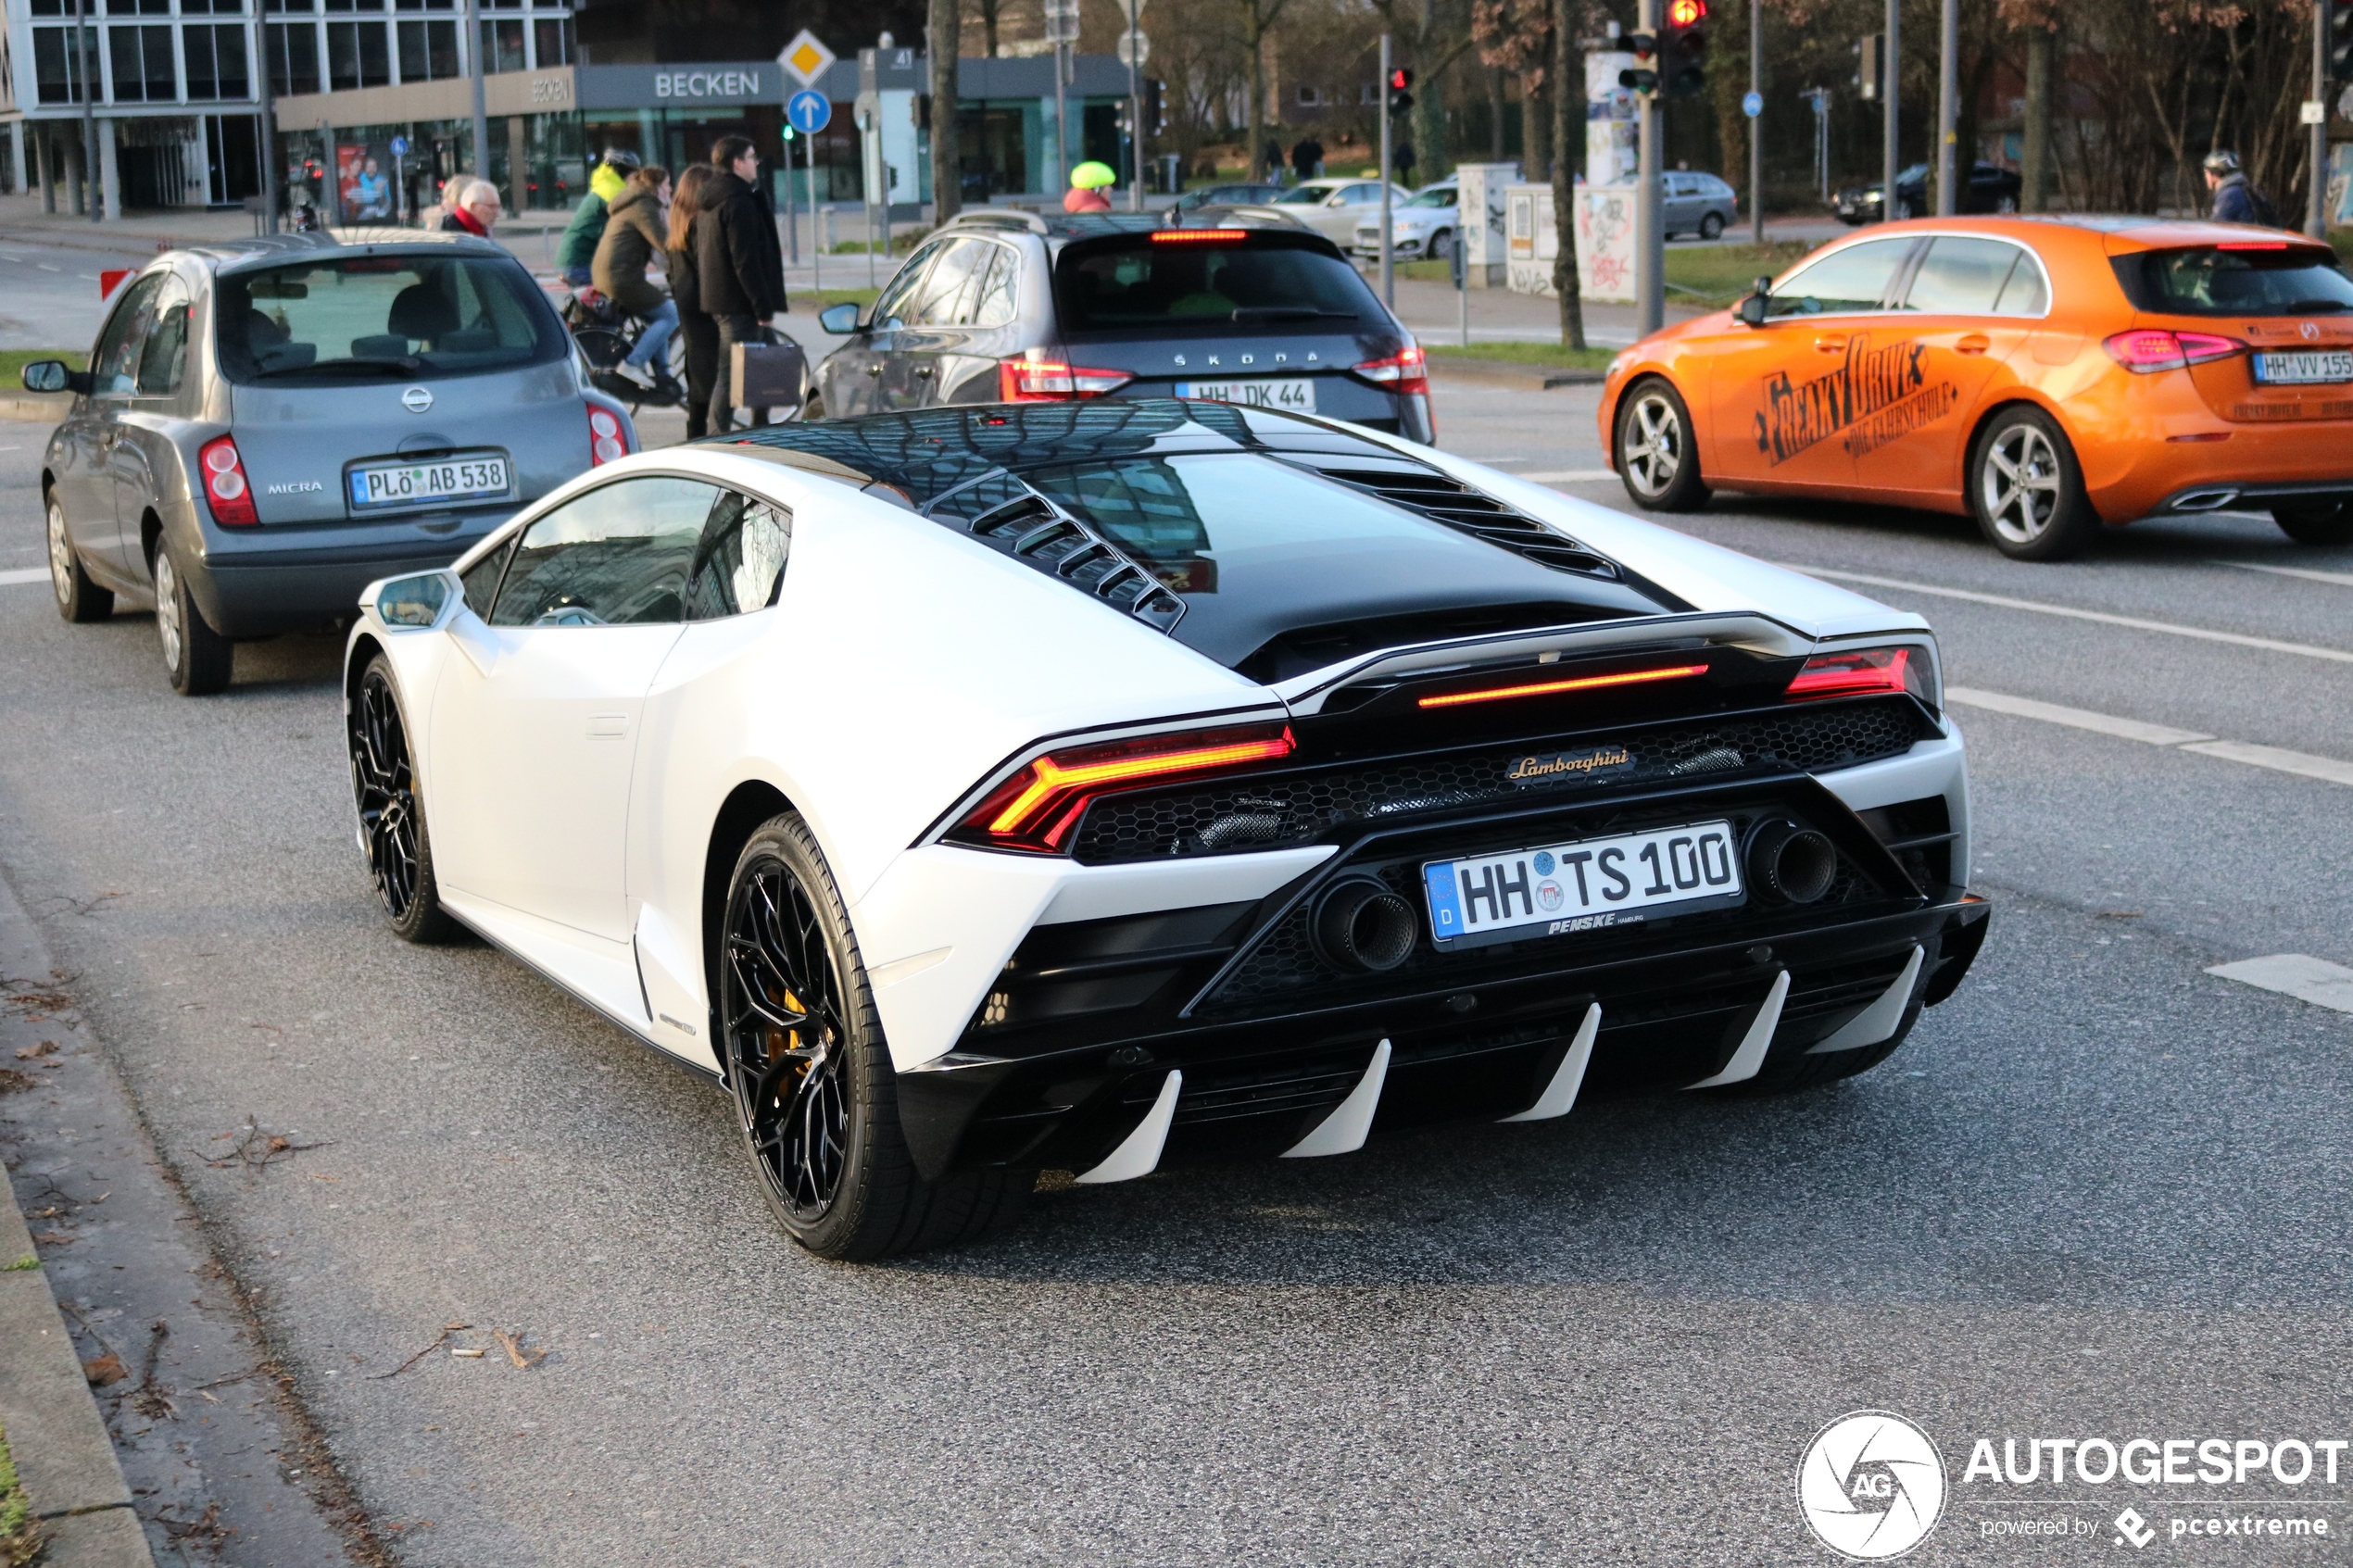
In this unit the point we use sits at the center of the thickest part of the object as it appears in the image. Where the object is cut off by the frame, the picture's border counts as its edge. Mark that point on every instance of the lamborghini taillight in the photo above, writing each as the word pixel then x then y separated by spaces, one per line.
pixel 1864 672
pixel 1036 810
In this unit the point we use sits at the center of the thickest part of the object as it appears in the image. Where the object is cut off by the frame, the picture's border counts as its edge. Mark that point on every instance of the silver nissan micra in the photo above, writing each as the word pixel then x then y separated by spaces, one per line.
pixel 268 425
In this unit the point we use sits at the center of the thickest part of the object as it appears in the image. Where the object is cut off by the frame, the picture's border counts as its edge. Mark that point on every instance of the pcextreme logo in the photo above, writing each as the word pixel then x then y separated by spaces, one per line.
pixel 1871 1486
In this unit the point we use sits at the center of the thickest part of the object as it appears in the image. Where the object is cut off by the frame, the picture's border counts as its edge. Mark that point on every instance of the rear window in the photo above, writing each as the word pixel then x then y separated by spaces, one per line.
pixel 1133 282
pixel 2280 280
pixel 368 317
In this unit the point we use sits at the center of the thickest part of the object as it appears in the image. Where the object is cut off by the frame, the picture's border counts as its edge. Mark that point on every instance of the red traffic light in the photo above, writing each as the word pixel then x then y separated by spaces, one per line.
pixel 1400 79
pixel 1686 13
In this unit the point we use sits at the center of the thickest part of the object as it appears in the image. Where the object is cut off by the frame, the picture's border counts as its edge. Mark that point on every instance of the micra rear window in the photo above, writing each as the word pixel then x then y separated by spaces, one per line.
pixel 1150 283
pixel 361 319
pixel 2260 278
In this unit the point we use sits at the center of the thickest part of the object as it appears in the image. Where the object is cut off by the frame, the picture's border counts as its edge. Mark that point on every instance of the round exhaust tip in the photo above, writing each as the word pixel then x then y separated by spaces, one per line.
pixel 1359 923
pixel 1792 863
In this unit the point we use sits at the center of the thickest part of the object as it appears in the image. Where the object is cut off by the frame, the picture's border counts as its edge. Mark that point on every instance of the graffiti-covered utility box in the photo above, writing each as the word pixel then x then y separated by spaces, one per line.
pixel 1605 240
pixel 1481 223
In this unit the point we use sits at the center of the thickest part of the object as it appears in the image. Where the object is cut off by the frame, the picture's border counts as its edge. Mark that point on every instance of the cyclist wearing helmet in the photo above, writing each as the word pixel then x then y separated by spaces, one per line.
pixel 2235 200
pixel 1088 182
pixel 576 256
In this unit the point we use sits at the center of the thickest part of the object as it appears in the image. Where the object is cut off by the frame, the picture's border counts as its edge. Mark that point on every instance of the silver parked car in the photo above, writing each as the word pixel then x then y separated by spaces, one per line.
pixel 268 425
pixel 1698 204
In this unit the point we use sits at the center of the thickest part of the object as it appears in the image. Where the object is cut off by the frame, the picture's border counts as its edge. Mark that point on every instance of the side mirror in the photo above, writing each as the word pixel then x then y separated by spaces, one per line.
pixel 839 319
pixel 418 602
pixel 51 375
pixel 1753 308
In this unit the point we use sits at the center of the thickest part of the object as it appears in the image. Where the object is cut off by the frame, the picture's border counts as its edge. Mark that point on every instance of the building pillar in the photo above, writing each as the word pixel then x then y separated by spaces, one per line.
pixel 19 179
pixel 77 155
pixel 109 172
pixel 44 156
pixel 519 161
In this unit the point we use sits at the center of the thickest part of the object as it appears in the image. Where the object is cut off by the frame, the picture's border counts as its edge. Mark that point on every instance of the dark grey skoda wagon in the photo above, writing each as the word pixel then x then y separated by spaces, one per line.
pixel 267 426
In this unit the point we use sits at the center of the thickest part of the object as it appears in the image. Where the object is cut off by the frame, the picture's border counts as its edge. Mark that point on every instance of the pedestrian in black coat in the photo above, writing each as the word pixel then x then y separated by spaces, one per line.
pixel 694 322
pixel 739 266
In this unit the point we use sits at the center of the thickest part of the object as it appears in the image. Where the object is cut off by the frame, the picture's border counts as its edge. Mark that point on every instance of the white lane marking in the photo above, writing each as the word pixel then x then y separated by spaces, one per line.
pixel 46 267
pixel 2342 579
pixel 2301 763
pixel 24 575
pixel 2268 645
pixel 2295 975
pixel 2078 718
pixel 1567 476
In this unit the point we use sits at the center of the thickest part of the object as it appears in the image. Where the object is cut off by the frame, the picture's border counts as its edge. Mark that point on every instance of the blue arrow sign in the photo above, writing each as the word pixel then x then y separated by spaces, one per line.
pixel 1752 103
pixel 808 110
pixel 400 147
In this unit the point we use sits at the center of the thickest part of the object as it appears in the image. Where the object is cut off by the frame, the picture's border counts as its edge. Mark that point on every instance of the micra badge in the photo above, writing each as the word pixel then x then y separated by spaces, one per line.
pixel 1549 766
pixel 296 487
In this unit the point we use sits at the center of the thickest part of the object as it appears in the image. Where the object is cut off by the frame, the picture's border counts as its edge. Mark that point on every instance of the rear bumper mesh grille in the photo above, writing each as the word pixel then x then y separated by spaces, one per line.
pixel 1267 811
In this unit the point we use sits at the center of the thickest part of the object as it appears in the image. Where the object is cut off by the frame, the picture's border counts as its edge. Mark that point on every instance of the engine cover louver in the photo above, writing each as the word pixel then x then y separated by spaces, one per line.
pixel 1001 511
pixel 1434 495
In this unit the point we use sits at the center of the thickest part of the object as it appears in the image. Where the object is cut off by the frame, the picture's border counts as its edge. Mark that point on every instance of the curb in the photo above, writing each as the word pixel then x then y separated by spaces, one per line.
pixel 1504 373
pixel 64 1456
pixel 34 411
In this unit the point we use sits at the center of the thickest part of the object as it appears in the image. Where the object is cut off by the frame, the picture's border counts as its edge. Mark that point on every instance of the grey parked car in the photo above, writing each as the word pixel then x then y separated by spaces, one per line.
pixel 1698 204
pixel 268 425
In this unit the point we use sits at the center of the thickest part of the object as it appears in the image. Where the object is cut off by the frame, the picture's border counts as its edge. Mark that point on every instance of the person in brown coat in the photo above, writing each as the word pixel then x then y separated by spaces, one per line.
pixel 634 233
pixel 686 292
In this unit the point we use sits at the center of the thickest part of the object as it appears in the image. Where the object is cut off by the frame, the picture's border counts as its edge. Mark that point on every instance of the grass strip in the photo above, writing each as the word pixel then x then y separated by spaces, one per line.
pixel 14 360
pixel 19 1531
pixel 1535 355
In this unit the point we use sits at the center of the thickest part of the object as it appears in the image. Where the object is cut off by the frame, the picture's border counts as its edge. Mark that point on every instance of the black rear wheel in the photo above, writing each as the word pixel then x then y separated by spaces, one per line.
pixel 391 820
pixel 2322 523
pixel 815 1095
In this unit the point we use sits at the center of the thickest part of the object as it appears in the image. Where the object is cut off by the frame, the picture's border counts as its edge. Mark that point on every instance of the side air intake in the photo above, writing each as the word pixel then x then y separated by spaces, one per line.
pixel 1456 504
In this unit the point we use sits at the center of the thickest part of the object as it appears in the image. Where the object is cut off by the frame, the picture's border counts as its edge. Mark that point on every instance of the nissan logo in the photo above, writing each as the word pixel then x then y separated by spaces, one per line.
pixel 417 399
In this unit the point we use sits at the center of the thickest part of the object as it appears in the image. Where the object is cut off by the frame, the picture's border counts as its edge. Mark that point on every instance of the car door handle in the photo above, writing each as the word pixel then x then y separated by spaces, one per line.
pixel 1973 343
pixel 1827 344
pixel 601 724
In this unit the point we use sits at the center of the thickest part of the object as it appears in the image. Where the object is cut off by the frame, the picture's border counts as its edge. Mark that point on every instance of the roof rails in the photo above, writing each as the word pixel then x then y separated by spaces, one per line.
pixel 1000 218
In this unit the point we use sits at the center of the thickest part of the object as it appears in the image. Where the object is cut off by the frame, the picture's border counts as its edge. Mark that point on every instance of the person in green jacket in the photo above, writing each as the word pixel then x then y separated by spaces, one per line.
pixel 576 256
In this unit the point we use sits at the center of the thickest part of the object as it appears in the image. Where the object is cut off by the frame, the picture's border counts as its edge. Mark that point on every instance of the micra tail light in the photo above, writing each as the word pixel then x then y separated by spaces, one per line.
pixel 1864 672
pixel 605 440
pixel 1047 381
pixel 226 489
pixel 1405 372
pixel 2145 350
pixel 1036 810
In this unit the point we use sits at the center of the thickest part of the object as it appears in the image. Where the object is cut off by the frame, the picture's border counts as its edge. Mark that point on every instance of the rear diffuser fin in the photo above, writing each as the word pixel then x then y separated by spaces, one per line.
pixel 1750 1054
pixel 1351 1121
pixel 1139 1153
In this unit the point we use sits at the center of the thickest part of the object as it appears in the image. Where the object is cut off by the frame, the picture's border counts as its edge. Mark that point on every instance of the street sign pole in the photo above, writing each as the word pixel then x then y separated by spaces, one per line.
pixel 1650 240
pixel 1388 268
pixel 1892 79
pixel 807 111
pixel 1948 111
pixel 1754 106
pixel 1135 107
pixel 2316 219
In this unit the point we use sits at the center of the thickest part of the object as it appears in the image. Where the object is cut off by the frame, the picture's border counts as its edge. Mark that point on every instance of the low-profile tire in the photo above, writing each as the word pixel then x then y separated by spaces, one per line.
pixel 80 600
pixel 1712 226
pixel 816 1098
pixel 391 818
pixel 1441 245
pixel 198 659
pixel 1657 456
pixel 2026 490
pixel 1802 1069
pixel 2324 525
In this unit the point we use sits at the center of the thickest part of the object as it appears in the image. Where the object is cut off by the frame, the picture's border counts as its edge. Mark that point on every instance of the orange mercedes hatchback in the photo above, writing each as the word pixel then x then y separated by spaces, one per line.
pixel 2050 377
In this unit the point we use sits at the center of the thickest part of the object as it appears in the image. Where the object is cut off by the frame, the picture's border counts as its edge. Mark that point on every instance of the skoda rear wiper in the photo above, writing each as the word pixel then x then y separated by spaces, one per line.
pixel 407 367
pixel 1291 313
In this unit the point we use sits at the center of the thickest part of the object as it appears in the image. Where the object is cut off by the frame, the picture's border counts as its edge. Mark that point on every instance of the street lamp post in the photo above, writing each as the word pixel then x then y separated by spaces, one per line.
pixel 1650 236
pixel 474 72
pixel 1892 76
pixel 92 195
pixel 1948 111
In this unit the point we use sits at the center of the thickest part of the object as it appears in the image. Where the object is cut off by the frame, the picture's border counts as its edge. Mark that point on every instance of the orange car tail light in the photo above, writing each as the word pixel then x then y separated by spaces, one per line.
pixel 226 489
pixel 2145 350
pixel 1549 688
pixel 1036 809
pixel 1199 237
pixel 1860 672
pixel 1044 380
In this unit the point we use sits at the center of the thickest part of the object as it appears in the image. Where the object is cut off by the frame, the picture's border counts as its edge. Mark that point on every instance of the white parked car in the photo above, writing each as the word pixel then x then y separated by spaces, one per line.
pixel 1334 206
pixel 1424 229
pixel 975 791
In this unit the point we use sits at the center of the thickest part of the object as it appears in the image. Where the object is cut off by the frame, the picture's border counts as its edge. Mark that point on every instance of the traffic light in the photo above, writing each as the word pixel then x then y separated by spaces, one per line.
pixel 2340 60
pixel 1683 48
pixel 1401 96
pixel 1645 50
pixel 1155 106
pixel 1867 63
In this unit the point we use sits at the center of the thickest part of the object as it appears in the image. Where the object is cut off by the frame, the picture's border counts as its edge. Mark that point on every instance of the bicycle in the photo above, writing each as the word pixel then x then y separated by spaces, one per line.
pixel 606 335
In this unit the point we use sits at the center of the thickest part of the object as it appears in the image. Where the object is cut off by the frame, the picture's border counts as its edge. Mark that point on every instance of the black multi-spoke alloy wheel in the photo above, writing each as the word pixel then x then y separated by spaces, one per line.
pixel 1658 455
pixel 811 1078
pixel 392 822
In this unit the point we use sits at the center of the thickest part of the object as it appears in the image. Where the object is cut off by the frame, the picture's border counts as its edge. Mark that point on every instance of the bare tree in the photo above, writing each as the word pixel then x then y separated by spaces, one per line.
pixel 1258 18
pixel 1516 36
pixel 1432 35
pixel 946 30
pixel 1565 281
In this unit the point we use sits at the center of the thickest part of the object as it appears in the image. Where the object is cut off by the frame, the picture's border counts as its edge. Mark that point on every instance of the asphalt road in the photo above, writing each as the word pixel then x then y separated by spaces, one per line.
pixel 2099 1193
